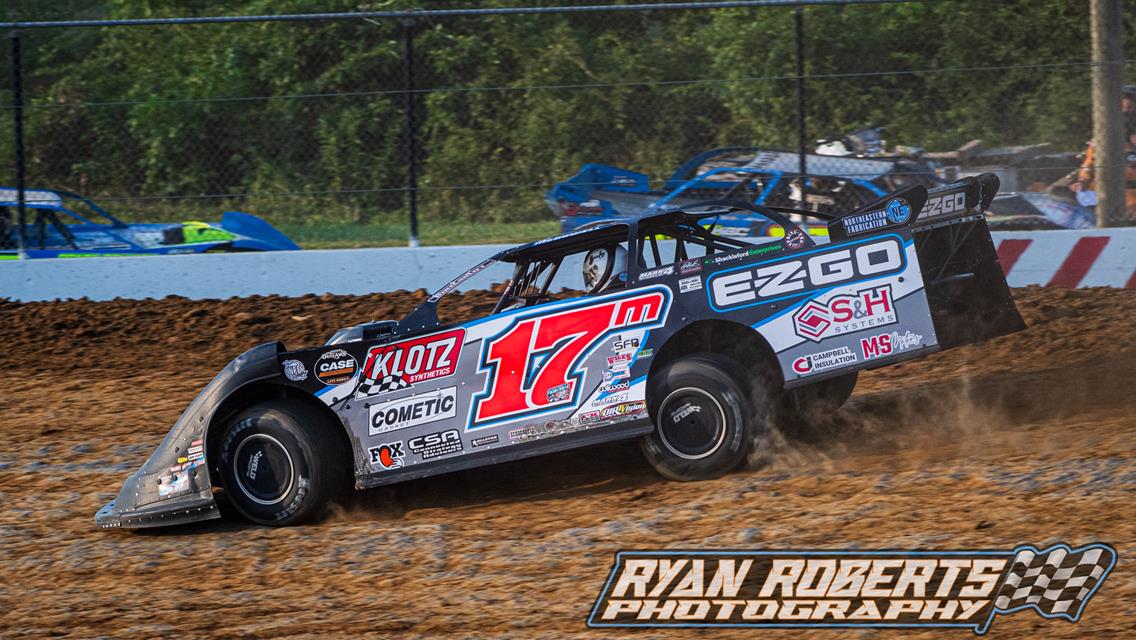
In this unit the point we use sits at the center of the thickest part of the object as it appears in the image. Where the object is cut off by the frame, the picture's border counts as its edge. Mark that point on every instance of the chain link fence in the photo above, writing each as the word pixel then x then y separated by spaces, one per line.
pixel 471 119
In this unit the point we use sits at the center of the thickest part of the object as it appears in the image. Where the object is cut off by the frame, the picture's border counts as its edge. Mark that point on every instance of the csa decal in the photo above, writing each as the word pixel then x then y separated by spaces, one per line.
pixel 529 362
pixel 436 445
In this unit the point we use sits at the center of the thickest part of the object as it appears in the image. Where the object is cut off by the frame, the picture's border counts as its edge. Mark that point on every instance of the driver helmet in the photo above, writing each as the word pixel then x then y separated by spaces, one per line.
pixel 596 267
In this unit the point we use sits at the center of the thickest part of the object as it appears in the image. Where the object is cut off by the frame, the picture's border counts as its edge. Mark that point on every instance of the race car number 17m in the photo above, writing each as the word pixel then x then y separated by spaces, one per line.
pixel 539 353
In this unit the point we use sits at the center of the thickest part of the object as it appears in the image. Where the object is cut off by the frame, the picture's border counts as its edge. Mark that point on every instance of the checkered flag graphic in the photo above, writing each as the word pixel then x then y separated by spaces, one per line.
pixel 1057 581
pixel 370 386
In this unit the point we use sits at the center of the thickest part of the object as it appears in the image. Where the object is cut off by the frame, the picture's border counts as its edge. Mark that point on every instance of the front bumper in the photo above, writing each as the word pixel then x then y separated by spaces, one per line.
pixel 161 515
pixel 173 486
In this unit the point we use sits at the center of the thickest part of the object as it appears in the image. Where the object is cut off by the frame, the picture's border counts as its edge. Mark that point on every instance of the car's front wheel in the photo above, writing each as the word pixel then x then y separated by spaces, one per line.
pixel 708 411
pixel 281 462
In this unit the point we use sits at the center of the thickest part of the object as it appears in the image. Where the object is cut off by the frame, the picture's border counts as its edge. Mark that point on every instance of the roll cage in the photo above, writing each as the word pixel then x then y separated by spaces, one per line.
pixel 536 264
pixel 46 205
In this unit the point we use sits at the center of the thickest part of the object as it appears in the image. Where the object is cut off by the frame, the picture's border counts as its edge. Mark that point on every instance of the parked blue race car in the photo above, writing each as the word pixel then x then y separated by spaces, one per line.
pixel 773 179
pixel 763 177
pixel 60 224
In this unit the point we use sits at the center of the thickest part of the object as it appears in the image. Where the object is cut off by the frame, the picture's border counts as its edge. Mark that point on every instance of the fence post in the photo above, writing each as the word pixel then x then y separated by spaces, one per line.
pixel 411 130
pixel 18 122
pixel 1108 123
pixel 802 149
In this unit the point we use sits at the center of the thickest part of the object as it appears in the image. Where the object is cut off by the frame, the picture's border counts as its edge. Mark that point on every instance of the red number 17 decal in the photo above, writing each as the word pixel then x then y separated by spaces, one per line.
pixel 533 365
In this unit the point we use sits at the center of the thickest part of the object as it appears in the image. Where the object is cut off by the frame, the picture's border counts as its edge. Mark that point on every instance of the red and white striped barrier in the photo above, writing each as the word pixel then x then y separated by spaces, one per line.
pixel 1082 258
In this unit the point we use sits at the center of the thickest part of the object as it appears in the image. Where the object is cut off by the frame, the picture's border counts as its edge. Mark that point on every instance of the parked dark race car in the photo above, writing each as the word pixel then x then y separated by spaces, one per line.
pixel 693 342
pixel 759 176
pixel 61 224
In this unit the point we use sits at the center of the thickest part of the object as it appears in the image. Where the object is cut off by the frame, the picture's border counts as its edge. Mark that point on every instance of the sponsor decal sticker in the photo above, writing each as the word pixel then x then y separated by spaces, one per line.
pixel 817 362
pixel 295 370
pixel 796 238
pixel 527 432
pixel 418 409
pixel 898 211
pixel 628 409
pixel 398 365
pixel 864 222
pixel 610 399
pixel 886 344
pixel 689 266
pixel 611 375
pixel 796 277
pixel 453 284
pixel 617 385
pixel 963 589
pixel 747 253
pixel 686 285
pixel 436 445
pixel 620 361
pixel 336 367
pixel 944 205
pixel 845 313
pixel 484 440
pixel 559 393
pixel 657 273
pixel 517 383
pixel 646 353
pixel 387 456
pixel 173 484
pixel 589 417
pixel 620 345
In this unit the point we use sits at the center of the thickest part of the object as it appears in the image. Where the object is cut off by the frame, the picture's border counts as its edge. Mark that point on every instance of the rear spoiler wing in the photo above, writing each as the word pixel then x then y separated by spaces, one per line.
pixel 919 207
pixel 965 286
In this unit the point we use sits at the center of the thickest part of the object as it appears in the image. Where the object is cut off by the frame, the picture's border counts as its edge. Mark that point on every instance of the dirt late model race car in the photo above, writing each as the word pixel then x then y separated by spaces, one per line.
pixel 692 342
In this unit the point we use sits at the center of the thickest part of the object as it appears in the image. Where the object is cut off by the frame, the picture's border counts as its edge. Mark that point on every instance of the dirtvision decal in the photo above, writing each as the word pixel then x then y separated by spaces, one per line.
pixel 779 589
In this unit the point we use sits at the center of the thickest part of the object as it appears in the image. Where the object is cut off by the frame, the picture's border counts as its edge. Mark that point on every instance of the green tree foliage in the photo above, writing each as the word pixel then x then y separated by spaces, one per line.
pixel 305 121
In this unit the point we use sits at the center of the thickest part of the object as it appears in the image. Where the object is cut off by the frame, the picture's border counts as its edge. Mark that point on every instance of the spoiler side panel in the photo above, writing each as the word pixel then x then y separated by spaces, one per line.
pixel 966 288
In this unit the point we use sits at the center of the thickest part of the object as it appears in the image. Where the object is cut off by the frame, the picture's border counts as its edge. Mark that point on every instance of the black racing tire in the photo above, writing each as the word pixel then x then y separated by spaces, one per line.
pixel 805 406
pixel 708 411
pixel 281 462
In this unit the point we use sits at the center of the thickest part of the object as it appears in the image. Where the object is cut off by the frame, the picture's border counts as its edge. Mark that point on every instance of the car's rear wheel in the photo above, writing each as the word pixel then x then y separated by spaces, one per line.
pixel 708 411
pixel 281 462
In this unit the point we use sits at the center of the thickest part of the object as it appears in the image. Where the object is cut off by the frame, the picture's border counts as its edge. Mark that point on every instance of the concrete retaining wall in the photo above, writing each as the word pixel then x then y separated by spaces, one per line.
pixel 1061 258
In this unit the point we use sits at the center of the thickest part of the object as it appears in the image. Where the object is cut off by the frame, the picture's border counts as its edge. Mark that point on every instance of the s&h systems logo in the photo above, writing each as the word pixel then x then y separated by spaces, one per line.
pixel 964 589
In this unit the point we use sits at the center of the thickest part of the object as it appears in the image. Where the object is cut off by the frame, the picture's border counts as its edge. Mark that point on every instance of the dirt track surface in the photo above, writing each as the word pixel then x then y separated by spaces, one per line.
pixel 1026 439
